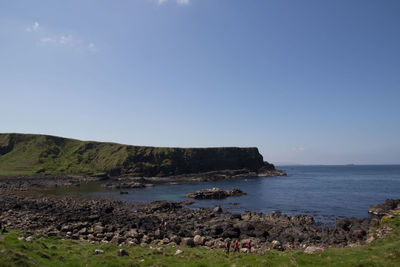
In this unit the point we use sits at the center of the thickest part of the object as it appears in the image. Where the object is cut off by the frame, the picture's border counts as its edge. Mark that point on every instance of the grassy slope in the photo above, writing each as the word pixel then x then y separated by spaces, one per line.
pixel 51 251
pixel 29 154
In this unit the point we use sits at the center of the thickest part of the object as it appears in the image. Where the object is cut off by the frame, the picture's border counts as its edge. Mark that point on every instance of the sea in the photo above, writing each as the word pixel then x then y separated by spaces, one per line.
pixel 325 192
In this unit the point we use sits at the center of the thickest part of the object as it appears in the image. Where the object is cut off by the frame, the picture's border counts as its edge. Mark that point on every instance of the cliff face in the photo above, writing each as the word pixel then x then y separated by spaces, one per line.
pixel 29 154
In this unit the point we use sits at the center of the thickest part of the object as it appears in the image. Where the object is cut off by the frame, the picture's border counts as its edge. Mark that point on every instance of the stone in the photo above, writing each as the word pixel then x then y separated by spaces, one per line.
pixel 176 239
pixel 276 244
pixel 370 239
pixel 198 240
pixel 65 228
pixel 145 239
pixel 53 233
pixel 217 209
pixel 98 229
pixel 313 250
pixel 178 252
pixel 359 234
pixel 29 239
pixel 122 252
pixel 99 251
pixel 21 238
pixel 187 241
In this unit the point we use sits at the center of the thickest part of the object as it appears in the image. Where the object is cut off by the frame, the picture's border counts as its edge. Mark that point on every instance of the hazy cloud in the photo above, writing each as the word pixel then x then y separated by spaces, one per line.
pixel 47 38
pixel 34 27
pixel 179 2
pixel 92 47
pixel 182 2
pixel 296 149
pixel 62 40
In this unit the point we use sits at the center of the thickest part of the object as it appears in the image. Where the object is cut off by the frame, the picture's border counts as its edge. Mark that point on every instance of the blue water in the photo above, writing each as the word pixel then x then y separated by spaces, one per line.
pixel 325 192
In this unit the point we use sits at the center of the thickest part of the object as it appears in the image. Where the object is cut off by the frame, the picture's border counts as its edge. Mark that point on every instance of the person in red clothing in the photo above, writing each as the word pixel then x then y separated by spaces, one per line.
pixel 248 247
pixel 236 246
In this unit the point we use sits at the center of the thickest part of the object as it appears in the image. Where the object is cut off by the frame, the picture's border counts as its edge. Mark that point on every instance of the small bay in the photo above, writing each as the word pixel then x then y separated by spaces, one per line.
pixel 325 192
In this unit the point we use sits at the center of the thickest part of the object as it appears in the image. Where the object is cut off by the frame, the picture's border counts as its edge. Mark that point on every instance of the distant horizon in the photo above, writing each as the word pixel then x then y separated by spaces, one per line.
pixel 367 164
pixel 308 81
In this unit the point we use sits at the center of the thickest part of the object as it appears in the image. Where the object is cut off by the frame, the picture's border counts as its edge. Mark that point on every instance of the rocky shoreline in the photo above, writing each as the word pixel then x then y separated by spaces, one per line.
pixel 43 181
pixel 170 223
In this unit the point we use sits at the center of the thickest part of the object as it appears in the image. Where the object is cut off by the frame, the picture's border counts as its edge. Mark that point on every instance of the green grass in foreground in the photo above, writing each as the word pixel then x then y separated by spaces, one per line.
pixel 52 251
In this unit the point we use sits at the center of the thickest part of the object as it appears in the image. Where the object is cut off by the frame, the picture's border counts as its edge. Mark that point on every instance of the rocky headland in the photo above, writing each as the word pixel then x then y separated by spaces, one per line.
pixel 43 161
pixel 29 154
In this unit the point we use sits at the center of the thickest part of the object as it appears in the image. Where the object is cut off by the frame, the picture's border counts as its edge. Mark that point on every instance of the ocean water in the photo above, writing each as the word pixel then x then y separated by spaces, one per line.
pixel 325 192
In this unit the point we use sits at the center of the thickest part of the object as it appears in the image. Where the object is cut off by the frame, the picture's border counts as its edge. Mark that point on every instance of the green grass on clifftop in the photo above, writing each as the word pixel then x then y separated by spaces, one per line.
pixel 52 251
pixel 29 154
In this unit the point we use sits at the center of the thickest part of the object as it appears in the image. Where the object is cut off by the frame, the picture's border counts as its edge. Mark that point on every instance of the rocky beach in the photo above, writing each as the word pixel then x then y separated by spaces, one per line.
pixel 172 223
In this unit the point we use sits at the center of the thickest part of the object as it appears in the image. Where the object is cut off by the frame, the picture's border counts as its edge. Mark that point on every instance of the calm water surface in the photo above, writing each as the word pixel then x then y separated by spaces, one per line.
pixel 325 192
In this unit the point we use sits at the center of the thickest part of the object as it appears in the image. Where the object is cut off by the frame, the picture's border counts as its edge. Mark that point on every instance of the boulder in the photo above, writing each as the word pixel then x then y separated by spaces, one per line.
pixel 276 244
pixel 313 249
pixel 174 238
pixel 187 241
pixel 98 229
pixel 198 240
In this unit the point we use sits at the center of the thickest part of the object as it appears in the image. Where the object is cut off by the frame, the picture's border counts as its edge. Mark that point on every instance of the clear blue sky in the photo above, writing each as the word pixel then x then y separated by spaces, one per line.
pixel 312 82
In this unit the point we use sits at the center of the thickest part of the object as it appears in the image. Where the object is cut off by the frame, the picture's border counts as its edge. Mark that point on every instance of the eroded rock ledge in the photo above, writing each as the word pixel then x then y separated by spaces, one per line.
pixel 216 193
pixel 383 208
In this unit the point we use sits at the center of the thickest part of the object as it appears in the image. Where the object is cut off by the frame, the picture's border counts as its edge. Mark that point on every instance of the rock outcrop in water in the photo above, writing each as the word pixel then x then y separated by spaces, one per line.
pixel 215 193
pixel 29 154
pixel 383 208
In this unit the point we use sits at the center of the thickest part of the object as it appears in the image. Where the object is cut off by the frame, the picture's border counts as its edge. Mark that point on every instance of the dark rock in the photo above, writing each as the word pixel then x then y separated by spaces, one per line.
pixel 122 252
pixel 187 202
pixel 215 193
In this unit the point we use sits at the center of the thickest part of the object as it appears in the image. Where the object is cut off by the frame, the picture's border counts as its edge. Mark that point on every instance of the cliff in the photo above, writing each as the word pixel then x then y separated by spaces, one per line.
pixel 22 154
